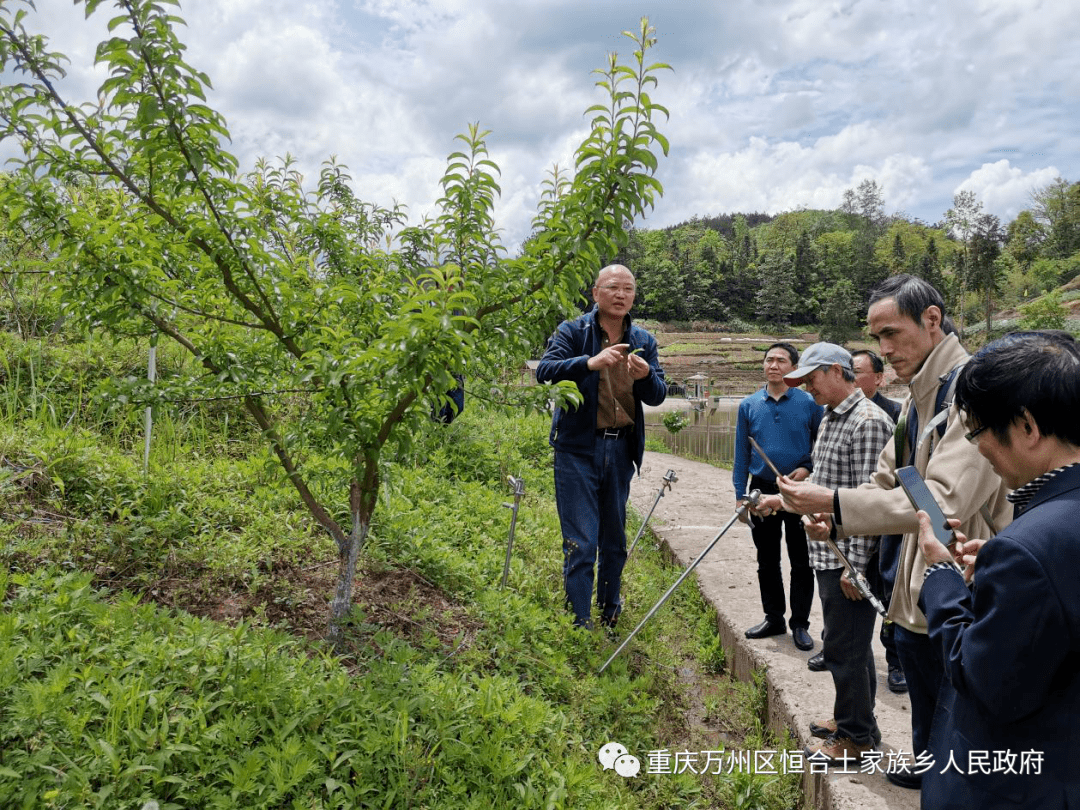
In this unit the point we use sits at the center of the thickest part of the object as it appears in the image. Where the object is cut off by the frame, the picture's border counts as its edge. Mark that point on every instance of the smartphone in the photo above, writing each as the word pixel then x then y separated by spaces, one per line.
pixel 921 498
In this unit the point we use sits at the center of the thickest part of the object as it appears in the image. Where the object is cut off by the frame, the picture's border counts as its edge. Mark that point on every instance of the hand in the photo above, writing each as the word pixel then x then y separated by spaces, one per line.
pixel 804 497
pixel 818 528
pixel 965 553
pixel 768 505
pixel 799 474
pixel 849 589
pixel 638 368
pixel 932 550
pixel 610 357
pixel 744 515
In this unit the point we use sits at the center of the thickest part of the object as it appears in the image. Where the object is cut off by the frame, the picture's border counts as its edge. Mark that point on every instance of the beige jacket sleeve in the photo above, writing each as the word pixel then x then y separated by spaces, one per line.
pixel 961 481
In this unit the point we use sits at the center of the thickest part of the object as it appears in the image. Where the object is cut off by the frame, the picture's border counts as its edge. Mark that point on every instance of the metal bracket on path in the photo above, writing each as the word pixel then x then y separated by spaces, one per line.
pixel 669 478
pixel 751 500
pixel 517 485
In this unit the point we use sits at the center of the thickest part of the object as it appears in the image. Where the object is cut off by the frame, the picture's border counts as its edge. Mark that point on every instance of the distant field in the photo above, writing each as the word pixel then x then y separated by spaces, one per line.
pixel 731 362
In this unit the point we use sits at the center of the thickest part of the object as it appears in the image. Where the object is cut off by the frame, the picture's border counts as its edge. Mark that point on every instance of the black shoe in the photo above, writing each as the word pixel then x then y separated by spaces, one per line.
pixel 896 680
pixel 765 629
pixel 827 728
pixel 816 663
pixel 903 776
pixel 802 639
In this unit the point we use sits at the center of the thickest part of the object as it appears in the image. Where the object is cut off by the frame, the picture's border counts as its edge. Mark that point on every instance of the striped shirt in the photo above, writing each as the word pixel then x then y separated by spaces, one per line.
pixel 851 437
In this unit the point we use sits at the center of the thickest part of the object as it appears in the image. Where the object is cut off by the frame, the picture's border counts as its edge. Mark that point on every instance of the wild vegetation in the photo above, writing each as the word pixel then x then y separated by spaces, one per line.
pixel 161 629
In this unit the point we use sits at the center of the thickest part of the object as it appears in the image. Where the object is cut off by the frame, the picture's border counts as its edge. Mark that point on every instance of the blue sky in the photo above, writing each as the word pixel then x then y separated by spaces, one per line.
pixel 775 104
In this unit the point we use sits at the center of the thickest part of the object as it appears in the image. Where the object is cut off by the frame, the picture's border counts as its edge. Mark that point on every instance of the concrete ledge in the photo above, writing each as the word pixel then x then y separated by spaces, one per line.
pixel 687 518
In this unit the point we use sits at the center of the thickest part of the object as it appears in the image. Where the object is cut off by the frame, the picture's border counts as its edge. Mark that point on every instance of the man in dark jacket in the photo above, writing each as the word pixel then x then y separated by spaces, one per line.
pixel 1004 734
pixel 598 444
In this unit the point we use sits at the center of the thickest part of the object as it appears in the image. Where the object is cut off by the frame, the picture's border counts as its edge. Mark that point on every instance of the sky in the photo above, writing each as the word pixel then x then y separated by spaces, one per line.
pixel 775 105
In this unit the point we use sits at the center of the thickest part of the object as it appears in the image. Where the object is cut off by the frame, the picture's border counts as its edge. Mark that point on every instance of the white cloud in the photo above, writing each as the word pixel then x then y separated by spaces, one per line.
pixel 773 105
pixel 1004 189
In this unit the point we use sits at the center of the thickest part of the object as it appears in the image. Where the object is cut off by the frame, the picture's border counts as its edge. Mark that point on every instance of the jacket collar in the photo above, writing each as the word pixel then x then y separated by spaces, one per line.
pixel 1065 480
pixel 944 357
pixel 593 314
pixel 850 401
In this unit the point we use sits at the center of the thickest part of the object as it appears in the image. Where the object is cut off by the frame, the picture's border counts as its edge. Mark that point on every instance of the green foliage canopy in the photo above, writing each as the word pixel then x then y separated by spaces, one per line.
pixel 298 300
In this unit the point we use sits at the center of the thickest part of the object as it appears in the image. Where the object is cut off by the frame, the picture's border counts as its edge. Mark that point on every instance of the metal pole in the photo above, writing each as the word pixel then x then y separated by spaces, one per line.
pixel 751 500
pixel 669 478
pixel 518 487
pixel 148 417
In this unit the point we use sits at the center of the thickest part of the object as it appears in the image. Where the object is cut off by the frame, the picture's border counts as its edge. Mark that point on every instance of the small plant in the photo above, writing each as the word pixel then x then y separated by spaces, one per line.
pixel 674 421
pixel 1045 313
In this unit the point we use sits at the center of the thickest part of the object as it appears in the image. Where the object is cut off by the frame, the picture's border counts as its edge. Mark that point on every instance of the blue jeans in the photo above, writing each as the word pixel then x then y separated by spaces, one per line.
pixel 591 493
pixel 849 631
pixel 924 673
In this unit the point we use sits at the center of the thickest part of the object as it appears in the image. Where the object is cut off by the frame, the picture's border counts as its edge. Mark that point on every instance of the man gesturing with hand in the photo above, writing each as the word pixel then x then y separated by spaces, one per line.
pixel 598 444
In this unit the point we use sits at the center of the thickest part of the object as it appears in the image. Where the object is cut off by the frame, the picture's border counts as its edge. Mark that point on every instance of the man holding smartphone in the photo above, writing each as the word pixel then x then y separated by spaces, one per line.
pixel 1011 644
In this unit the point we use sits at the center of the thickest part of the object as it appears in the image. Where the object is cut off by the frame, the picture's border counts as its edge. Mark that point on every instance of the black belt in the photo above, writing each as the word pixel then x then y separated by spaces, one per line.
pixel 614 433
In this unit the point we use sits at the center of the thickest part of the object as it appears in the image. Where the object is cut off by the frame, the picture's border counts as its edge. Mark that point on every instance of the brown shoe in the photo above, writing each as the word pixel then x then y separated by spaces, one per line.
pixel 837 750
pixel 826 728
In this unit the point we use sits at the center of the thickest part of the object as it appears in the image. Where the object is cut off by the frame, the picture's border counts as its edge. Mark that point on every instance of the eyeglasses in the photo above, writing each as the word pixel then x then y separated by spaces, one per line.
pixel 625 289
pixel 973 435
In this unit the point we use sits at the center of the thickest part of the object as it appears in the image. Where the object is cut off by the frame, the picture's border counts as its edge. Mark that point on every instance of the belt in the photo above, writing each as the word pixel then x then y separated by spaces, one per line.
pixel 614 433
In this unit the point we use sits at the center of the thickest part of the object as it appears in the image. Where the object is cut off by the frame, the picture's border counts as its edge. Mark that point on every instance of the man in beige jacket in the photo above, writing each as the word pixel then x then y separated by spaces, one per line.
pixel 907 318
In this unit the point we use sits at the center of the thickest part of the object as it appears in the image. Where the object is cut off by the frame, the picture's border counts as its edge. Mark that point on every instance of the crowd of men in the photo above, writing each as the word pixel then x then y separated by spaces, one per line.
pixel 985 635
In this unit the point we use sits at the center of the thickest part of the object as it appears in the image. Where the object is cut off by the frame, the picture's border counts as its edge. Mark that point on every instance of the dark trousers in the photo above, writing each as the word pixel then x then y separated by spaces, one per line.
pixel 849 658
pixel 590 494
pixel 923 671
pixel 881 574
pixel 766 533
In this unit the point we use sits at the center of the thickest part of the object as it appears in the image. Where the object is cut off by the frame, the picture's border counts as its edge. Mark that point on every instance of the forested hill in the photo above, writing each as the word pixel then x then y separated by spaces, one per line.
pixel 816 266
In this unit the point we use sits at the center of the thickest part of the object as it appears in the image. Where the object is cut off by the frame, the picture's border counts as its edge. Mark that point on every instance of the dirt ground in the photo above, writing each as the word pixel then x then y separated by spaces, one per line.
pixel 687 518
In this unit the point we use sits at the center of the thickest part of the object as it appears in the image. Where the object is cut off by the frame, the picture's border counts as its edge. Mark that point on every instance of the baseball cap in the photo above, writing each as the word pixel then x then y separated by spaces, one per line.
pixel 816 356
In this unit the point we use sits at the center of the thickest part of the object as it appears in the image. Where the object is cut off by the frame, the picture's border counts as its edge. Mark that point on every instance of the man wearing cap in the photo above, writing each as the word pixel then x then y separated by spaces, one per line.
pixel 784 421
pixel 853 432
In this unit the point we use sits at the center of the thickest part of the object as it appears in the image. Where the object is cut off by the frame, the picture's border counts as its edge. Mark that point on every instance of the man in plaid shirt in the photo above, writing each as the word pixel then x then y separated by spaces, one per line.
pixel 850 439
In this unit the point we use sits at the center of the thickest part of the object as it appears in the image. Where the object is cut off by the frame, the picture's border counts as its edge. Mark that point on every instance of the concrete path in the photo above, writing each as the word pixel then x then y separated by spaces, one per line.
pixel 687 518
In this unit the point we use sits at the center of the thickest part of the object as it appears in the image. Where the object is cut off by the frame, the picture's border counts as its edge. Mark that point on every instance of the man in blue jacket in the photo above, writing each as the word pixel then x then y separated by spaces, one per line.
pixel 1005 730
pixel 598 444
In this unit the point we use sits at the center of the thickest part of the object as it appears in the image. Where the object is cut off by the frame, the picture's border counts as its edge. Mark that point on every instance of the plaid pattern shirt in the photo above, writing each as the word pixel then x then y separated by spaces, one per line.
pixel 850 439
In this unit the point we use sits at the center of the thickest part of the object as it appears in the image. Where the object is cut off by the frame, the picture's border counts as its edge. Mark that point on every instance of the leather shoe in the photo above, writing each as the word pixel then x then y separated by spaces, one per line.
pixel 765 629
pixel 903 776
pixel 816 663
pixel 802 639
pixel 827 728
pixel 896 680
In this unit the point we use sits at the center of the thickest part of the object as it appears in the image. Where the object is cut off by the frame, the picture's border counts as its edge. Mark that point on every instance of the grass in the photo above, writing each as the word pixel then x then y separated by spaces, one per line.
pixel 160 630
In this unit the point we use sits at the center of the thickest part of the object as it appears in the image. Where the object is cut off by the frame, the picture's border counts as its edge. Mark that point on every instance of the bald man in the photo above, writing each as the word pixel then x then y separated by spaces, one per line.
pixel 599 444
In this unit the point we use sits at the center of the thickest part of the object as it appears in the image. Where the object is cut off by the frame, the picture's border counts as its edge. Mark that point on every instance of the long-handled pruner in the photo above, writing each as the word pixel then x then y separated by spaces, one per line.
pixel 857 579
pixel 669 478
pixel 518 487
pixel 751 500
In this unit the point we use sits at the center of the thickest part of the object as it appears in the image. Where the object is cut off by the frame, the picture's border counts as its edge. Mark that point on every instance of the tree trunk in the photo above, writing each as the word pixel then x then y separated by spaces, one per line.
pixel 363 496
pixel 341 603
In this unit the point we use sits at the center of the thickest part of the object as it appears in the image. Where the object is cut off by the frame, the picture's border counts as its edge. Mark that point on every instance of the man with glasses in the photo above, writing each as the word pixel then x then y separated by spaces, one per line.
pixel 598 444
pixel 907 318
pixel 1011 644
